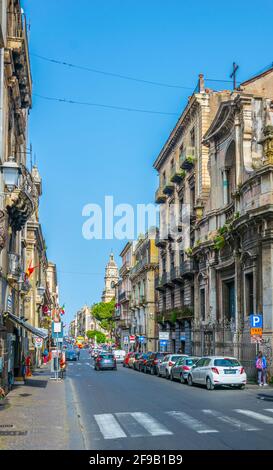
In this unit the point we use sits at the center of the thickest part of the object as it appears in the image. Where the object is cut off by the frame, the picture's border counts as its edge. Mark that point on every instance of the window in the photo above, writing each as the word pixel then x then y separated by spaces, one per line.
pixel 229 300
pixel 182 297
pixel 172 260
pixel 164 301
pixel 202 304
pixel 249 294
pixel 163 264
pixel 192 137
pixel 172 299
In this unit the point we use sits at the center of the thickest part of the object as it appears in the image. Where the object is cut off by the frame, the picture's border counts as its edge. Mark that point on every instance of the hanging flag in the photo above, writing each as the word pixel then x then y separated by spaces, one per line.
pixel 62 310
pixel 29 271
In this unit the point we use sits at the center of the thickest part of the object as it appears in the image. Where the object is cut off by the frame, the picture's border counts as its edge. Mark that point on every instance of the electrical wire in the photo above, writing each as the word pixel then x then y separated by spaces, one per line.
pixel 106 106
pixel 111 74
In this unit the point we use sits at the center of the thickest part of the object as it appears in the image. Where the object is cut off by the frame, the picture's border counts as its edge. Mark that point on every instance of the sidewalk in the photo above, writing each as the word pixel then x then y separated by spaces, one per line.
pixel 34 415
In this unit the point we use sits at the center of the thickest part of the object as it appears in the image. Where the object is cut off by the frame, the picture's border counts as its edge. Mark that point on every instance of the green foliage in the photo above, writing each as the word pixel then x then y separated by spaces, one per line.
pixel 104 313
pixel 173 316
pixel 219 242
pixel 190 159
pixel 100 337
pixel 188 251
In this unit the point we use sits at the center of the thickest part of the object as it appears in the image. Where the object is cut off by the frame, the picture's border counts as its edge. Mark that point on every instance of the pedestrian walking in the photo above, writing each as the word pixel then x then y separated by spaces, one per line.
pixel 261 367
pixel 62 365
pixel 78 353
pixel 28 364
pixel 45 356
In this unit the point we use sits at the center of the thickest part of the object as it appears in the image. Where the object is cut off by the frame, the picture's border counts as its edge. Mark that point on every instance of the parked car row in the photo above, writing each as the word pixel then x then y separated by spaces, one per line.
pixel 211 371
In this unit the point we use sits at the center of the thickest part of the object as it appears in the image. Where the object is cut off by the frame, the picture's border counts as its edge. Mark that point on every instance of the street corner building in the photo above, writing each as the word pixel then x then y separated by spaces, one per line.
pixel 218 161
pixel 26 283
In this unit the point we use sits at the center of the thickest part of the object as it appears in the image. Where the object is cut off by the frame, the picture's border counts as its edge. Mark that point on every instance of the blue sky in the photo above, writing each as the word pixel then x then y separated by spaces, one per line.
pixel 85 153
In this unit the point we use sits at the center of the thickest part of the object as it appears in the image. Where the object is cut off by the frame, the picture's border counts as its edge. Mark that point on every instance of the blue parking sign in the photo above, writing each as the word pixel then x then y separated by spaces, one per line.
pixel 256 321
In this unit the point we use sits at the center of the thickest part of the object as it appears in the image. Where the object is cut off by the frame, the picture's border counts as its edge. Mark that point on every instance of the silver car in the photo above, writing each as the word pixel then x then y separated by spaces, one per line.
pixel 164 368
pixel 182 367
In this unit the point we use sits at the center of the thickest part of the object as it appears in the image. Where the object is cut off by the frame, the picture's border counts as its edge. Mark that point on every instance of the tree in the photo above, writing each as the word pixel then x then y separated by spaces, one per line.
pixel 104 313
pixel 100 337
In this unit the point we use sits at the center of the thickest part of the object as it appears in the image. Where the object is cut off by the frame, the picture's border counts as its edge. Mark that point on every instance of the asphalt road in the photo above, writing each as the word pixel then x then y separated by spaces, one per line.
pixel 125 409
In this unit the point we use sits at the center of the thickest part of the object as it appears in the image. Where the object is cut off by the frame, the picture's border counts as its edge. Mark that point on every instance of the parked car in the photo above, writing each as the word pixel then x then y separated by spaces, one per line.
pixel 153 362
pixel 105 361
pixel 143 363
pixel 164 368
pixel 182 367
pixel 132 359
pixel 126 359
pixel 119 354
pixel 71 355
pixel 213 371
pixel 140 362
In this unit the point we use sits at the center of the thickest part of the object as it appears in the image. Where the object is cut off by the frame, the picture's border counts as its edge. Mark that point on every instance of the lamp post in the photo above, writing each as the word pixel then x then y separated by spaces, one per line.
pixel 11 171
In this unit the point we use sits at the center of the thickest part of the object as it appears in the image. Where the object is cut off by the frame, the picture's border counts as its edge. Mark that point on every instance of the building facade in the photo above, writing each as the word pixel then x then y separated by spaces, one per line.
pixel 123 313
pixel 143 294
pixel 183 188
pixel 233 256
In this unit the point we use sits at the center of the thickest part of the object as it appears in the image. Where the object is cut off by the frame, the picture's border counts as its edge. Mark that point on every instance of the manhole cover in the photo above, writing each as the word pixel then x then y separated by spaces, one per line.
pixel 6 425
pixel 13 433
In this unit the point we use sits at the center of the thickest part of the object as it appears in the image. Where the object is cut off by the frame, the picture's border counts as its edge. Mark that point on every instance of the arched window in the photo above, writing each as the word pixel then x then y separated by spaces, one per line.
pixel 229 173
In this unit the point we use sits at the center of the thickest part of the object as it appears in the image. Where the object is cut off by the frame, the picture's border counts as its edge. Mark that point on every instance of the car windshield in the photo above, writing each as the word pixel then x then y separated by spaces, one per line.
pixel 160 355
pixel 190 362
pixel 175 358
pixel 226 362
pixel 106 356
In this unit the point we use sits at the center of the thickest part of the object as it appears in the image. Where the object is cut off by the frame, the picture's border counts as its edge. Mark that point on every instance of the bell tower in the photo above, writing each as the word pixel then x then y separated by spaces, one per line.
pixel 110 279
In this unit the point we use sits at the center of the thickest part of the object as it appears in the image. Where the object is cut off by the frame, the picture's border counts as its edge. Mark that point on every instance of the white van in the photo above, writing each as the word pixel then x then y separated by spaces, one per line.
pixel 119 354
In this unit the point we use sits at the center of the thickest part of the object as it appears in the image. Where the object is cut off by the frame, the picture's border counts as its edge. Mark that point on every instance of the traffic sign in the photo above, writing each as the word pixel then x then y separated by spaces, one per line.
pixel 256 331
pixel 163 342
pixel 132 339
pixel 164 335
pixel 256 321
pixel 256 339
pixel 38 342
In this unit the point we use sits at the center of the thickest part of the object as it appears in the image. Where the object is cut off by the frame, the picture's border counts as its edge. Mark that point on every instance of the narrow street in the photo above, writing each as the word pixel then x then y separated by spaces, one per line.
pixel 125 409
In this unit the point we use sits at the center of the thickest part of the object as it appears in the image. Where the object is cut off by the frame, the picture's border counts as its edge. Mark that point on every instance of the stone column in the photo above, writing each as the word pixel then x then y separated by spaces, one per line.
pixel 267 277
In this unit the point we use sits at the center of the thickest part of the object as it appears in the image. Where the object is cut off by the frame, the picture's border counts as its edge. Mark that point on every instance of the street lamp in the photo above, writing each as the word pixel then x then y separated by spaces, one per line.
pixel 11 171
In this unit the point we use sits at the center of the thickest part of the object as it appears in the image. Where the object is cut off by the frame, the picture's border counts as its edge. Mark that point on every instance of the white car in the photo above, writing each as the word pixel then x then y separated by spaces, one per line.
pixel 119 354
pixel 164 367
pixel 217 370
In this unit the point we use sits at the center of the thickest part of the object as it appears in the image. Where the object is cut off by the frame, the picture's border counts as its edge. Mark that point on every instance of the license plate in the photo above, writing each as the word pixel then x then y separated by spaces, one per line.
pixel 106 360
pixel 230 371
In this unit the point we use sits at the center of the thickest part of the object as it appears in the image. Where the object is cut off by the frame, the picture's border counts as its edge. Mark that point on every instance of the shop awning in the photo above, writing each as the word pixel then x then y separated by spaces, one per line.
pixel 41 332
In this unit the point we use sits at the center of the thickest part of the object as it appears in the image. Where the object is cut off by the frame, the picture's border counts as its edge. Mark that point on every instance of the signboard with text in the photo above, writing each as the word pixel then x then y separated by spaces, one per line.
pixel 164 335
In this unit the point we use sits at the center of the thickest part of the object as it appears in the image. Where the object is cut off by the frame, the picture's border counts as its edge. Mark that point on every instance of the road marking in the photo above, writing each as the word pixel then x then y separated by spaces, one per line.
pixel 191 422
pixel 150 424
pixel 232 421
pixel 269 409
pixel 252 414
pixel 131 425
pixel 109 427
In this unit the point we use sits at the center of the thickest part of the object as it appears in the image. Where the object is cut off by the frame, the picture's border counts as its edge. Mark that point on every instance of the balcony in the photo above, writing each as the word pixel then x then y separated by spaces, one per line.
pixel 124 296
pixel 187 158
pixel 168 188
pixel 160 197
pixel 177 175
pixel 14 267
pixel 17 47
pixel 176 275
pixel 187 268
pixel 160 242
pixel 124 324
pixel 125 268
pixel 22 201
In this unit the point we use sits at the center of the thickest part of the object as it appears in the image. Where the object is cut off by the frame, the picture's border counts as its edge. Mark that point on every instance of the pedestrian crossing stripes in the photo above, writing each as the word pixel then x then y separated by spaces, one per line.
pixel 142 424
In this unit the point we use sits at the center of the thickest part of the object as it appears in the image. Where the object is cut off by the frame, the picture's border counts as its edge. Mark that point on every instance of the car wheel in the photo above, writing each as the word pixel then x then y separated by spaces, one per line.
pixel 190 382
pixel 123 365
pixel 242 387
pixel 158 373
pixel 152 371
pixel 144 370
pixel 171 376
pixel 209 384
pixel 182 380
pixel 167 375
